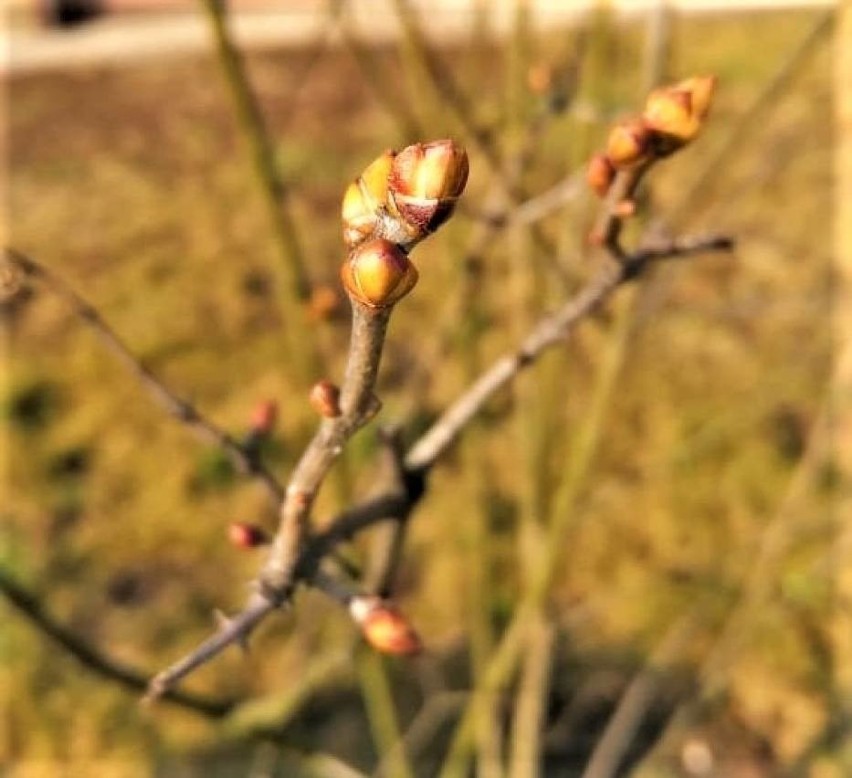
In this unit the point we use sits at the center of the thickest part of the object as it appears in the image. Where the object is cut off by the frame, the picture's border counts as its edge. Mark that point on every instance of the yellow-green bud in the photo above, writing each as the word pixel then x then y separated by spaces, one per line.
pixel 378 273
pixel 364 199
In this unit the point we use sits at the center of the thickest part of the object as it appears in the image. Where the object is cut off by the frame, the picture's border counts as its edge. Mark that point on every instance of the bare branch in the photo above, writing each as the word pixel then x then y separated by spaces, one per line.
pixel 232 631
pixel 280 572
pixel 33 609
pixel 174 404
pixel 550 330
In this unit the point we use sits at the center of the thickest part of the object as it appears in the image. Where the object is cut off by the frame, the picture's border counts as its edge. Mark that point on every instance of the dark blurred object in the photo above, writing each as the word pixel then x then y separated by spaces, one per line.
pixel 69 13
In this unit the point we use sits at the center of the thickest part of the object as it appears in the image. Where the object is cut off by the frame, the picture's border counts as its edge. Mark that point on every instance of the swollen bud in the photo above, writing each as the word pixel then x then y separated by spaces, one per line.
pixel 628 143
pixel 378 273
pixel 325 399
pixel 700 90
pixel 425 182
pixel 675 114
pixel 599 174
pixel 384 626
pixel 364 200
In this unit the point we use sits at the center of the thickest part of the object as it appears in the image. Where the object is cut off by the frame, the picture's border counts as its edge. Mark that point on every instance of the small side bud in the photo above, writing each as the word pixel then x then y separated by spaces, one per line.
pixel 325 399
pixel 378 273
pixel 245 535
pixel 599 174
pixel 325 303
pixel 384 627
pixel 264 416
pixel 426 181
pixel 628 143
pixel 364 200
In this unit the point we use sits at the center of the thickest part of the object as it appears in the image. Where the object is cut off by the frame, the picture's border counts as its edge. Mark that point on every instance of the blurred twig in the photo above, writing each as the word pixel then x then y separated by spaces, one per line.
pixel 441 81
pixel 263 153
pixel 531 702
pixel 423 728
pixel 175 405
pixel 381 713
pixel 612 747
pixel 33 609
pixel 739 130
pixel 619 266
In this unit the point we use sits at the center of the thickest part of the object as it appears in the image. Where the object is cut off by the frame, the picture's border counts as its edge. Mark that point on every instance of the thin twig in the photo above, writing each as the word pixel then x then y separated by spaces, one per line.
pixel 33 609
pixel 175 405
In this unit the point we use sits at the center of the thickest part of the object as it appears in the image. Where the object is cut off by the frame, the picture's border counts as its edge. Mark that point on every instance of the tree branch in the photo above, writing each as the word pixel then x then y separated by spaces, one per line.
pixel 175 405
pixel 33 609
pixel 281 571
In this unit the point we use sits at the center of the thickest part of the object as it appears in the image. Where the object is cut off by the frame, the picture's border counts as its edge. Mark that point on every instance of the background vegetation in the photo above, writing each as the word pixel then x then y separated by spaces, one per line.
pixel 677 428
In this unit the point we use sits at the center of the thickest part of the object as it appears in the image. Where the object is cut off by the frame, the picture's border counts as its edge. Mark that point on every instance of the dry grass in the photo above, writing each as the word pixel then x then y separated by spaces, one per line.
pixel 133 186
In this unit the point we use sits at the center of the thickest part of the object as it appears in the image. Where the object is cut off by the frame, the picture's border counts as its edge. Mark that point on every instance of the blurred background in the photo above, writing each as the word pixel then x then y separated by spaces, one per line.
pixel 697 626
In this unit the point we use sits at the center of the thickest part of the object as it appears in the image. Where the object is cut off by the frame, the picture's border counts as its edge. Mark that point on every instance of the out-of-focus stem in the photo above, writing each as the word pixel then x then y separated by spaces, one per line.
pixel 531 699
pixel 291 271
pixel 381 713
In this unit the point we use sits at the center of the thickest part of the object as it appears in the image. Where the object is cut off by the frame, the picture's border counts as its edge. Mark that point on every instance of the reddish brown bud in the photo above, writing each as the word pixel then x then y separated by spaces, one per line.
pixel 325 399
pixel 425 182
pixel 384 627
pixel 364 199
pixel 599 174
pixel 245 535
pixel 628 143
pixel 325 302
pixel 378 273
pixel 264 416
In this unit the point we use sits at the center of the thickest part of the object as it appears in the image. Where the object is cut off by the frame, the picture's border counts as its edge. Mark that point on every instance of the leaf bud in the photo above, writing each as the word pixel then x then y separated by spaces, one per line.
pixel 378 273
pixel 245 535
pixel 700 90
pixel 325 399
pixel 425 182
pixel 599 174
pixel 384 627
pixel 364 200
pixel 675 113
pixel 628 143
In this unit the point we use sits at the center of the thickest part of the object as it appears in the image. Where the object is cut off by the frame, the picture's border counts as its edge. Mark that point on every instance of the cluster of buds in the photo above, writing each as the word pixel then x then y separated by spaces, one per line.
pixel 398 200
pixel 405 196
pixel 672 117
pixel 384 627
